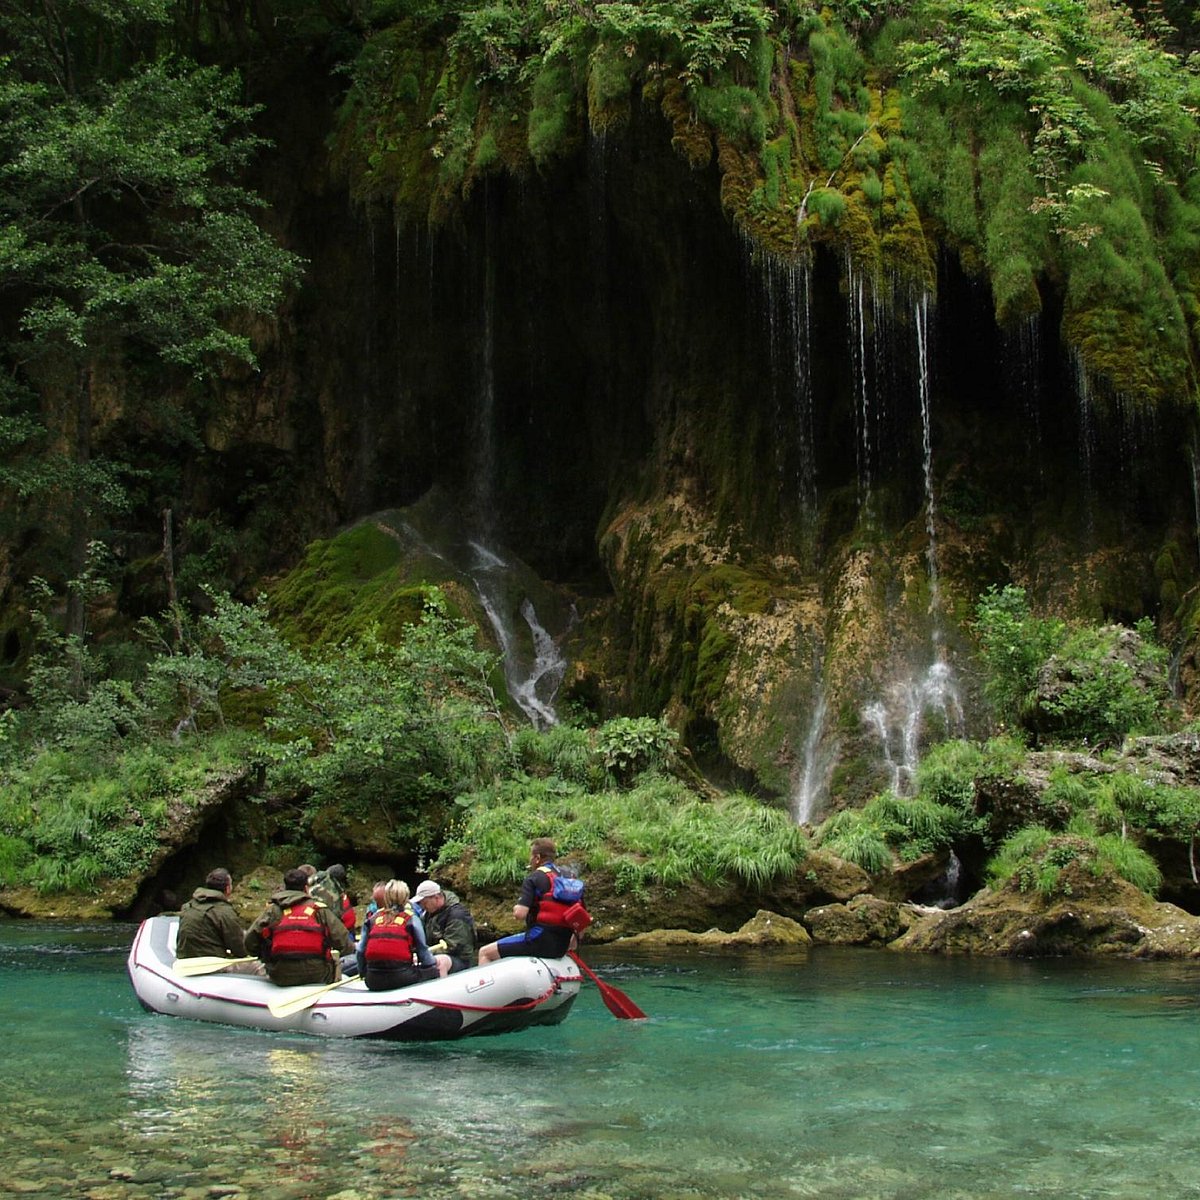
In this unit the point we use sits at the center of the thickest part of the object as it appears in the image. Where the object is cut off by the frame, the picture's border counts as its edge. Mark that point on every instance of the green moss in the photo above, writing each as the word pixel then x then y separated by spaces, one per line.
pixel 345 586
pixel 611 73
pixel 552 125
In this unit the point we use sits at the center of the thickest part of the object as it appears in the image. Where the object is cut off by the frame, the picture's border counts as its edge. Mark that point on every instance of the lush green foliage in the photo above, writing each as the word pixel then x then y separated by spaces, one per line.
pixel 909 826
pixel 1013 645
pixel 127 236
pixel 1098 683
pixel 1034 858
pixel 654 832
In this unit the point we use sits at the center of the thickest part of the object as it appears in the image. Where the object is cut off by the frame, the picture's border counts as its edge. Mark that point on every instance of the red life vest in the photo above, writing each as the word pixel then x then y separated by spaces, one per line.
pixel 299 933
pixel 551 911
pixel 391 942
pixel 347 914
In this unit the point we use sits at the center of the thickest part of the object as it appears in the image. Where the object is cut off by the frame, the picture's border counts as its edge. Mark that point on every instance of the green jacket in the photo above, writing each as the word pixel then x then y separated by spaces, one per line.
pixel 208 925
pixel 454 925
pixel 291 971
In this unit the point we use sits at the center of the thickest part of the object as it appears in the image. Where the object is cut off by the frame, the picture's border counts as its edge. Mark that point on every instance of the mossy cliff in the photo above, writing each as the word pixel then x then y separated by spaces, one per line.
pixel 1051 146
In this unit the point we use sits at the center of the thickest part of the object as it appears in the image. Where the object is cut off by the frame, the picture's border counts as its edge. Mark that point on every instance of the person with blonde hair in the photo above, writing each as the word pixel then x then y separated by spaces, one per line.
pixel 392 952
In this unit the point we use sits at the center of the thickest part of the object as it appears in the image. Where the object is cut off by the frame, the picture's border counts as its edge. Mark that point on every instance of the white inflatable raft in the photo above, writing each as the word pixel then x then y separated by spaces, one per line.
pixel 512 994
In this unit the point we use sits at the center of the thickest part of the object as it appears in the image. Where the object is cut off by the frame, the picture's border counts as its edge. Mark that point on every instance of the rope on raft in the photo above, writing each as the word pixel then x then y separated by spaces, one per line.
pixel 554 987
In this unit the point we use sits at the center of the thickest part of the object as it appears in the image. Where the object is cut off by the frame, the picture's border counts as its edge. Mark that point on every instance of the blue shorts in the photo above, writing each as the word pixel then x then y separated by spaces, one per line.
pixel 541 941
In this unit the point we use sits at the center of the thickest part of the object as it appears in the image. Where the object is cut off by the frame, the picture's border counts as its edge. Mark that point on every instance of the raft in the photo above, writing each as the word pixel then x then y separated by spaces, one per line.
pixel 503 997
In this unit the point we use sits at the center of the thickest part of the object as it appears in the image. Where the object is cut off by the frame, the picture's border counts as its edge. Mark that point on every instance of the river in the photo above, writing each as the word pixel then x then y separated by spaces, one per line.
pixel 842 1074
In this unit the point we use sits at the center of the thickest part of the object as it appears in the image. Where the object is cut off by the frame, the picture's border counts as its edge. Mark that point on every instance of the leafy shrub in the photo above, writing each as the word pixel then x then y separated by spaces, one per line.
pixel 1014 644
pixel 630 745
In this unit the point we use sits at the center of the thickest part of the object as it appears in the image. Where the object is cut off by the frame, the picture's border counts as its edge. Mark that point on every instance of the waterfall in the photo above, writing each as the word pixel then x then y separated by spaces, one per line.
pixel 1192 458
pixel 1087 437
pixel 483 495
pixel 912 705
pixel 532 681
pixel 900 720
pixel 856 296
pixel 787 287
pixel 812 786
pixel 921 322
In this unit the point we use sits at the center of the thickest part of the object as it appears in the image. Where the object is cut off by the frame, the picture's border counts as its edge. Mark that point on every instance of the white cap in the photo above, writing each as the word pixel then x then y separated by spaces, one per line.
pixel 427 889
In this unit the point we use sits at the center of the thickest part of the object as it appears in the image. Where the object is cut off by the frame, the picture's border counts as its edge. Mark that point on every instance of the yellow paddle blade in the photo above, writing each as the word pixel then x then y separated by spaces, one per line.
pixel 205 964
pixel 289 1005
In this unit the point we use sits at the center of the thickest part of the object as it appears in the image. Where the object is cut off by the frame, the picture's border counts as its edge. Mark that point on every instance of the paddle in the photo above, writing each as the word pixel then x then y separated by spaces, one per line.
pixel 615 1000
pixel 205 964
pixel 293 1004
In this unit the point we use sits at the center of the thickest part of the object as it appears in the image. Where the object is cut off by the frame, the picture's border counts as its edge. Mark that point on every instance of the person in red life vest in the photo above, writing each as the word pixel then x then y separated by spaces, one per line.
pixel 391 951
pixel 545 936
pixel 297 936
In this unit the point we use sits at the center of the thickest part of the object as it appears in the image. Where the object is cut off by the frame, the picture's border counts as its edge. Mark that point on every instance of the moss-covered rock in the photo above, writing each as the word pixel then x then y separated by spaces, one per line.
pixel 1096 915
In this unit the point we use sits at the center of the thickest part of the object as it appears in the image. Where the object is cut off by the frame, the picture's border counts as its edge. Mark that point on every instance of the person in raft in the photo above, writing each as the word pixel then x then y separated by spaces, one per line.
pixel 391 951
pixel 297 936
pixel 208 925
pixel 448 923
pixel 545 935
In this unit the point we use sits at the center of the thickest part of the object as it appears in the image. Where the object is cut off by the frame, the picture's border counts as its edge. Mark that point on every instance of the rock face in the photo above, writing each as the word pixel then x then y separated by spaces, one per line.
pixel 865 921
pixel 763 930
pixel 1105 916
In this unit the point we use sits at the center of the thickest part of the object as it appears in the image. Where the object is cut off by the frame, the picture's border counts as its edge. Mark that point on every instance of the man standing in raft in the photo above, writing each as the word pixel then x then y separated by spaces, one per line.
pixel 546 935
pixel 297 935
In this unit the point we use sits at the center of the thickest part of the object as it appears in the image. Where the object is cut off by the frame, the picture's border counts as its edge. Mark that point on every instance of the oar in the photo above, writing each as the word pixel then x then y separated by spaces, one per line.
pixel 294 1004
pixel 614 999
pixel 205 964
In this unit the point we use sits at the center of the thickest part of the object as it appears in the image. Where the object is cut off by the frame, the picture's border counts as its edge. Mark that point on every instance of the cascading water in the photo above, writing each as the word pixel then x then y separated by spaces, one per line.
pixel 921 324
pixel 532 680
pixel 1087 438
pixel 788 287
pixel 820 757
pixel 911 706
pixel 905 713
pixel 856 296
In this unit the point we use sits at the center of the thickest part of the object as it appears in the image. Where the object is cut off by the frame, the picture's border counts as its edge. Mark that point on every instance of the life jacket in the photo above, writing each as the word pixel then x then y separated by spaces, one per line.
pixel 347 913
pixel 299 933
pixel 391 942
pixel 561 906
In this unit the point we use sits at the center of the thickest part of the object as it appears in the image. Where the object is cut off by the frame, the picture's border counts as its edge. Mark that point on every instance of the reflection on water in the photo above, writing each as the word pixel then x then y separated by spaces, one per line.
pixel 837 1075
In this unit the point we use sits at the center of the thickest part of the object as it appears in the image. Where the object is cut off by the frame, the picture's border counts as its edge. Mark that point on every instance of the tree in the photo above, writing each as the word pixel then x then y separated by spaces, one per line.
pixel 124 233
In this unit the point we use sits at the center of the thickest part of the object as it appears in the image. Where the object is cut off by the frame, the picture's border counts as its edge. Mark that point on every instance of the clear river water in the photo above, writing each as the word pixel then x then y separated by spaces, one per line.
pixel 840 1074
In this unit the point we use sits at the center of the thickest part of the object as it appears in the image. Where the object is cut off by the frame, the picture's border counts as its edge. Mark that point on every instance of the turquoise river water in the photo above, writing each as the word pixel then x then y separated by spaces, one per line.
pixel 842 1074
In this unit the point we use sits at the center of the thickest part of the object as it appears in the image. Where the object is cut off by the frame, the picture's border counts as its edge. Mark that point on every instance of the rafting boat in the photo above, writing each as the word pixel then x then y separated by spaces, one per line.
pixel 502 997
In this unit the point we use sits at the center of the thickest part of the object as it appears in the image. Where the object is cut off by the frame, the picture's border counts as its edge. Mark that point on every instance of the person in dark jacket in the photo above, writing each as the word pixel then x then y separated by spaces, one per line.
pixel 540 938
pixel 297 936
pixel 208 925
pixel 447 921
